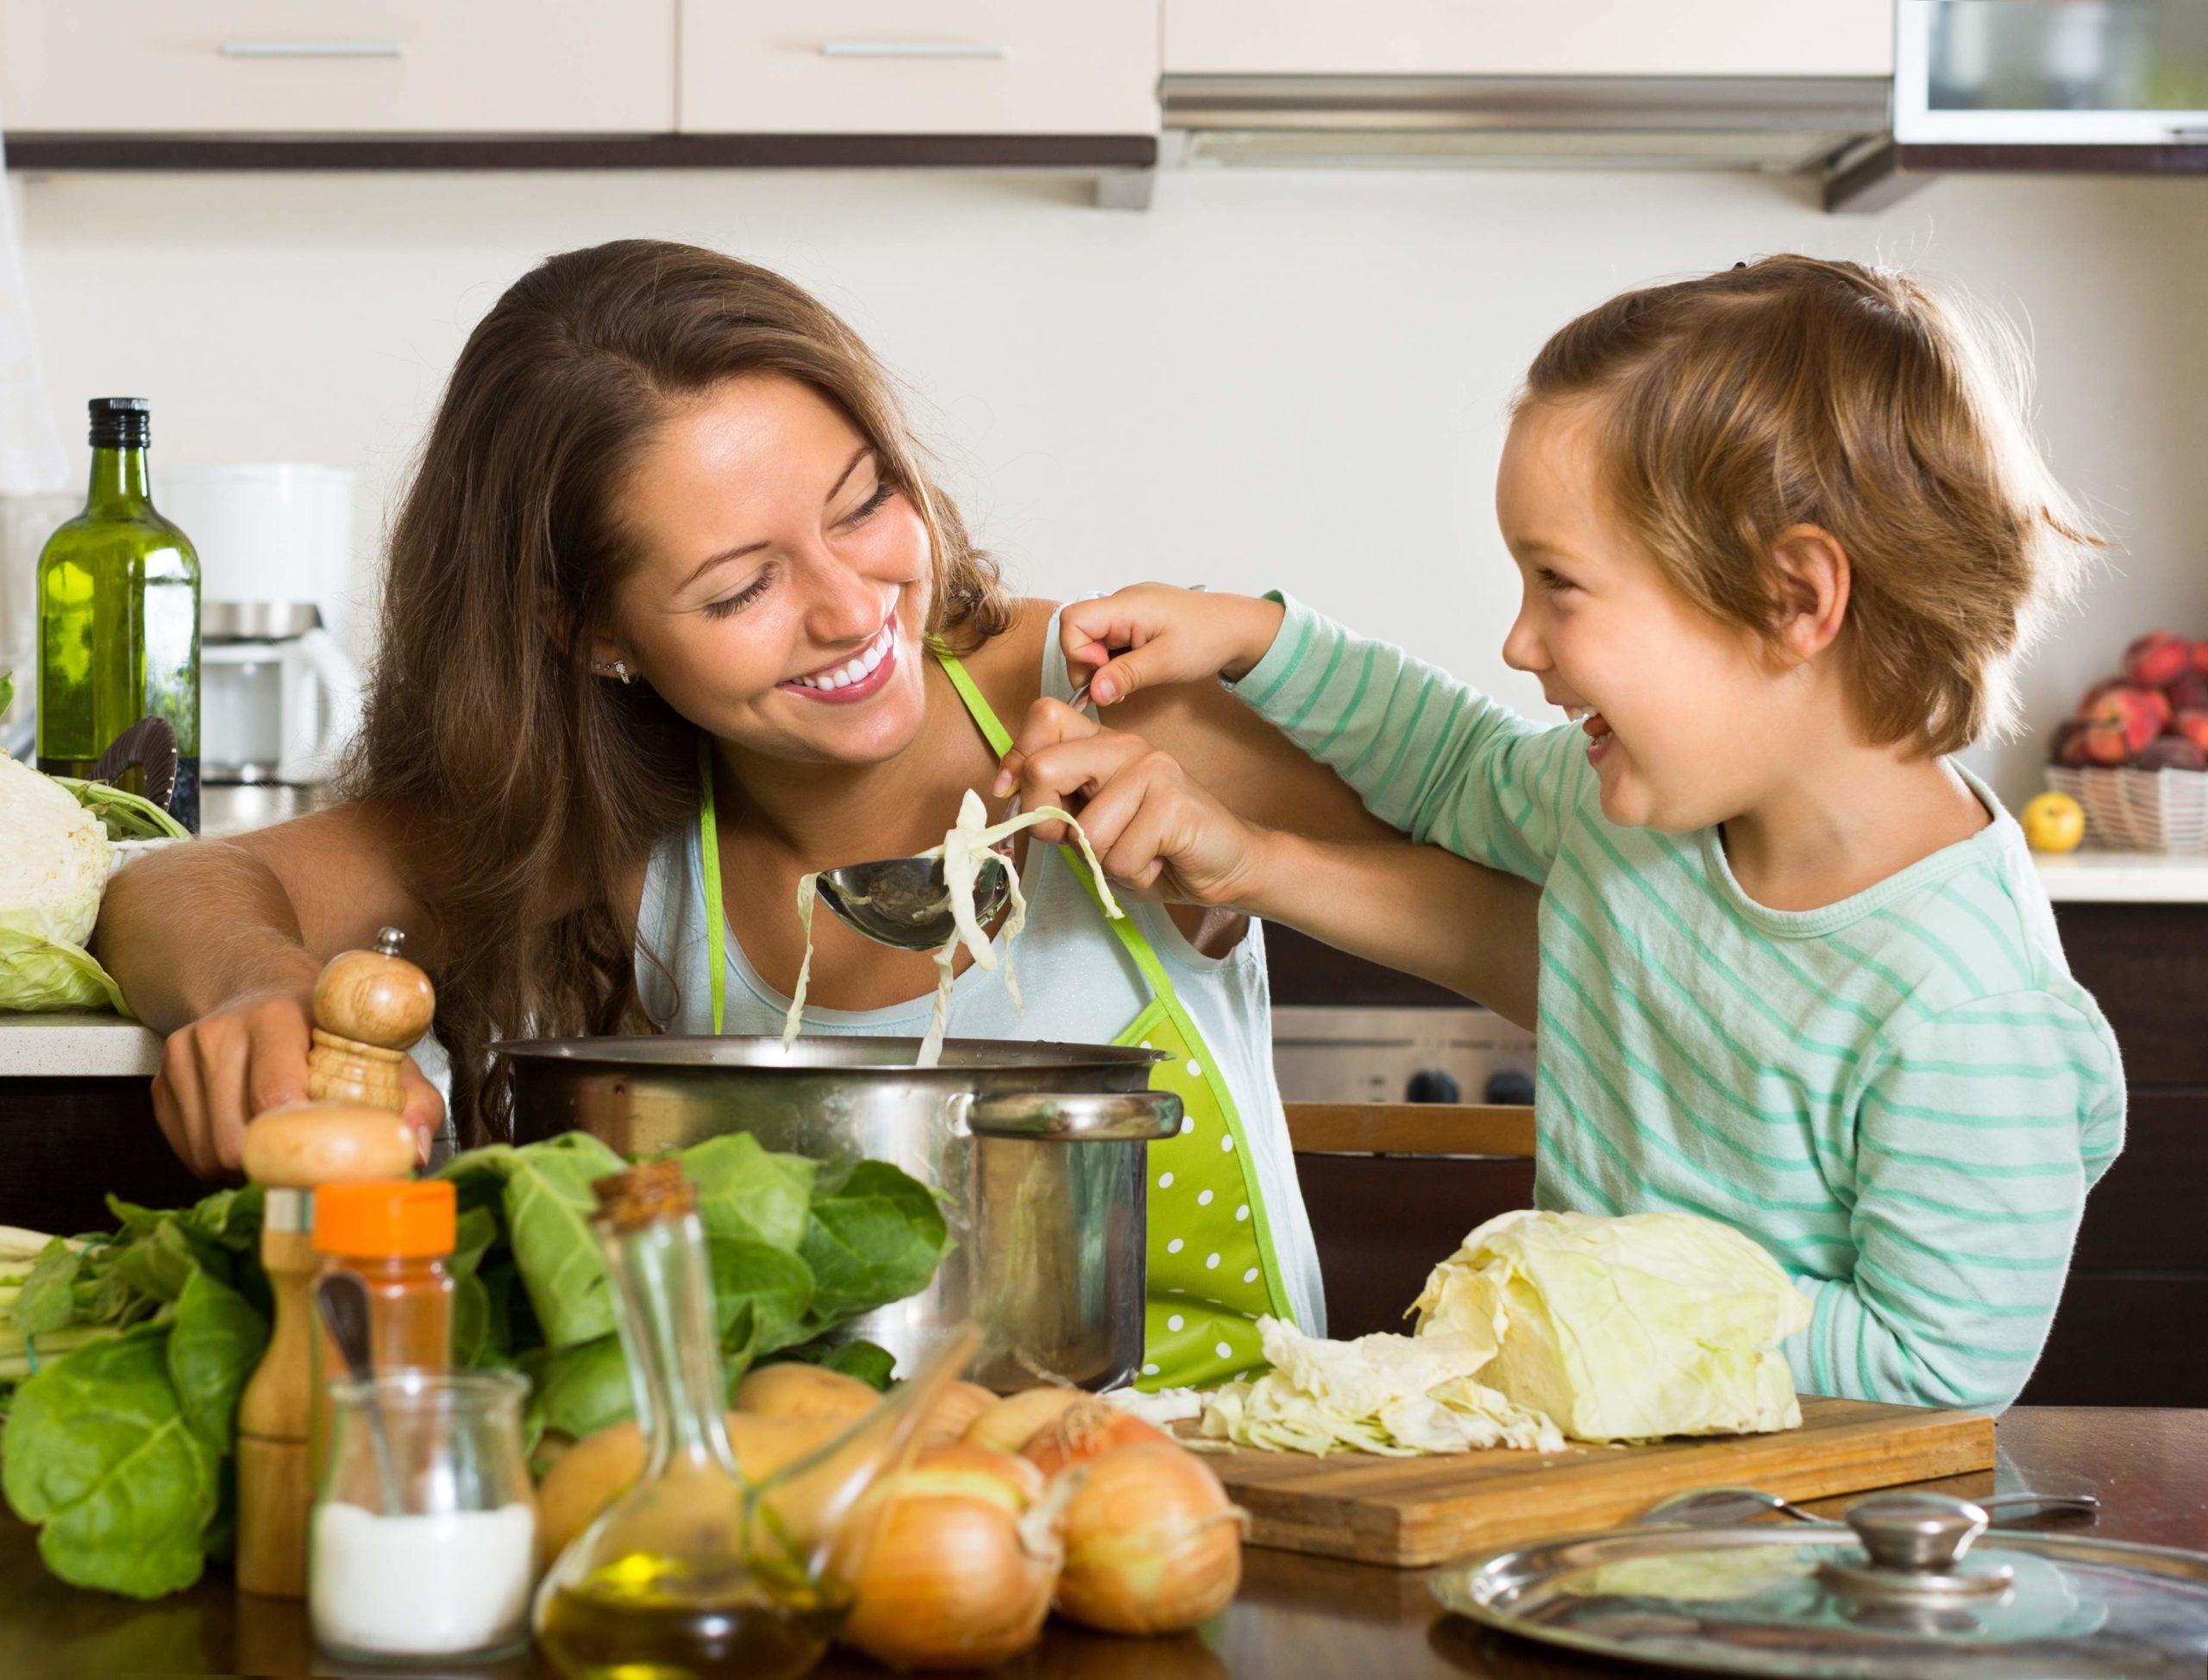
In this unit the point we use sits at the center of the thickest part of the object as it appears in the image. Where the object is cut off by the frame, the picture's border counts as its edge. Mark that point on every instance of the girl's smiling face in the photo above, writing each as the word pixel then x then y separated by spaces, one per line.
pixel 782 584
pixel 1688 720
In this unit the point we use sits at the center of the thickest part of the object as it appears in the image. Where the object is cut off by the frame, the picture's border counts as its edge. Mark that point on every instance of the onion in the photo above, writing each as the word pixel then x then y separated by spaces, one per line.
pixel 1152 1542
pixel 953 1412
pixel 1083 1431
pixel 959 1571
pixel 1014 1420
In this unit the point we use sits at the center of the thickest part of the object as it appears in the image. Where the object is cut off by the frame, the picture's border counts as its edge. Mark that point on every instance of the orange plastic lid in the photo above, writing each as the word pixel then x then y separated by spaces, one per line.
pixel 407 1220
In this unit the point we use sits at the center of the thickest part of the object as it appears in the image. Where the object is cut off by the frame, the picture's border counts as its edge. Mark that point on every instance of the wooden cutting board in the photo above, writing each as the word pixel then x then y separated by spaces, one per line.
pixel 1413 1512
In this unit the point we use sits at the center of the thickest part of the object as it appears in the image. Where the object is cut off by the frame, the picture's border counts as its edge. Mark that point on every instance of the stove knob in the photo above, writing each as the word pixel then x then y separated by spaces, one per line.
pixel 1509 1086
pixel 1432 1085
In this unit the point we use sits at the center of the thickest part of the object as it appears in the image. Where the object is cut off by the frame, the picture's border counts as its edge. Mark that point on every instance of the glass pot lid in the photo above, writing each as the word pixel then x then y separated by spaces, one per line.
pixel 1913 1586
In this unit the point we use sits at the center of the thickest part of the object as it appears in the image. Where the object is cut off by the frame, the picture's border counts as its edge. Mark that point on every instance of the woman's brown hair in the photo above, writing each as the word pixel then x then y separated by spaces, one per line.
pixel 1797 391
pixel 523 787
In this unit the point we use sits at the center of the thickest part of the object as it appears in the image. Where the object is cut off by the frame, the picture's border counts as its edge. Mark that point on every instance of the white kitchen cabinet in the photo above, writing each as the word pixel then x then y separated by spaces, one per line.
pixel 919 67
pixel 337 66
pixel 1529 37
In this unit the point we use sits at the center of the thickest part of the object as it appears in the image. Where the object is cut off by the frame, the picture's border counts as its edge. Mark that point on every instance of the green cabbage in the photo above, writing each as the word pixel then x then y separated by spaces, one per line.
pixel 1626 1328
pixel 54 866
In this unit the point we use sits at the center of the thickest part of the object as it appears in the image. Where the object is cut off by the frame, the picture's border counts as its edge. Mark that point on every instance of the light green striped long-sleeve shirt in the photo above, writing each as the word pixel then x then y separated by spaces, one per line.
pixel 1903 1096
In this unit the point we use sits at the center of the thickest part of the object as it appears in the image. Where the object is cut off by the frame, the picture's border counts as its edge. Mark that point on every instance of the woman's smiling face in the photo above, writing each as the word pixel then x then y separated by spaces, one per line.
pixel 782 584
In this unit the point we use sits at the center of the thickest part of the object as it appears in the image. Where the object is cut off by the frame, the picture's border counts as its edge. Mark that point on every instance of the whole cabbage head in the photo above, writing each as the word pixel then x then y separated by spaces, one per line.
pixel 54 866
pixel 1626 1327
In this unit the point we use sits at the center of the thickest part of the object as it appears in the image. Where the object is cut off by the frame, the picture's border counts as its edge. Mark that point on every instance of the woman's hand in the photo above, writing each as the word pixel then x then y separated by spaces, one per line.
pixel 250 1055
pixel 1152 827
pixel 1170 635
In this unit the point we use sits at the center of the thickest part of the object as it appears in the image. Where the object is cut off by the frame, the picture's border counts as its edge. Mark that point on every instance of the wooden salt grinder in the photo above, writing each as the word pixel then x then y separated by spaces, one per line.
pixel 369 1006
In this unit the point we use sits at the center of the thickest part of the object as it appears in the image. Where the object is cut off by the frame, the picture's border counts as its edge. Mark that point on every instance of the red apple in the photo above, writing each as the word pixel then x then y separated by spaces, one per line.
pixel 2192 724
pixel 2140 713
pixel 2095 744
pixel 2158 657
pixel 2172 752
pixel 2200 657
pixel 2189 691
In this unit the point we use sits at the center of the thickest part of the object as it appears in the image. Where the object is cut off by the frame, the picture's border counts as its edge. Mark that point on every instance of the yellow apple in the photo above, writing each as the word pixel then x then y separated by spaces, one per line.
pixel 2054 823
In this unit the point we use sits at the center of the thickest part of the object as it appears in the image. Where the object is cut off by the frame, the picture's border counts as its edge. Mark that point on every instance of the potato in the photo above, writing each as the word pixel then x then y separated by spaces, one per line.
pixel 794 1390
pixel 1012 1422
pixel 593 1472
pixel 953 1413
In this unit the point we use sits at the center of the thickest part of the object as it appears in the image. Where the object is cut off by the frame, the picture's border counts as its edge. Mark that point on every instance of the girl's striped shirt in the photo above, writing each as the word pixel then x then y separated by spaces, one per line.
pixel 1904 1095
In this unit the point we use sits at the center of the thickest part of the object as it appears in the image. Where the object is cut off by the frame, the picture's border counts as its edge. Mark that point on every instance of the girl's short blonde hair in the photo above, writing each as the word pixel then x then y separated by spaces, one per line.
pixel 1797 391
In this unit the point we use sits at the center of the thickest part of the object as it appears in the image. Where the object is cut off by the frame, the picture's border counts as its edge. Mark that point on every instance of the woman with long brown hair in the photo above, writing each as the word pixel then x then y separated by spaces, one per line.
pixel 671 602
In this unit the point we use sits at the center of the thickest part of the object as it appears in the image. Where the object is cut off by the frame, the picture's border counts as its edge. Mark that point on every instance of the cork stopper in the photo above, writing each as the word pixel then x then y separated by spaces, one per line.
pixel 650 1193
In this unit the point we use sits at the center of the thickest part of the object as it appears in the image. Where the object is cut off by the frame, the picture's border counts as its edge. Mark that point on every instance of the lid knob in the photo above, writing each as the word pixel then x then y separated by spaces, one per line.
pixel 1922 1534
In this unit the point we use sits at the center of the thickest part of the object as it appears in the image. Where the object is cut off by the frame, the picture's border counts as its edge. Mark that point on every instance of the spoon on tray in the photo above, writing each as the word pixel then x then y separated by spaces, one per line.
pixel 342 1300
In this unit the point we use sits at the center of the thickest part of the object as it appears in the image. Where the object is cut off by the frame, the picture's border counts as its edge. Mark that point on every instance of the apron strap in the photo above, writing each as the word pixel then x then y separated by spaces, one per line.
pixel 709 846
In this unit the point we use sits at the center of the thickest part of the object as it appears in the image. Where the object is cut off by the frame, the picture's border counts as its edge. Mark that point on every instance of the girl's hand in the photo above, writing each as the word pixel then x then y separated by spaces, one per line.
pixel 250 1055
pixel 1170 635
pixel 1152 827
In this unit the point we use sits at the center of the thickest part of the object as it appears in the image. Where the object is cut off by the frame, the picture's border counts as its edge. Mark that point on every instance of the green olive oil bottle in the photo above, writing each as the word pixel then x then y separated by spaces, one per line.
pixel 118 617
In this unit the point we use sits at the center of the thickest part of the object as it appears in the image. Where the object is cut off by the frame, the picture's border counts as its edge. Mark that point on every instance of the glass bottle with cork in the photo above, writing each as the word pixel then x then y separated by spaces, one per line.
pixel 118 617
pixel 696 1572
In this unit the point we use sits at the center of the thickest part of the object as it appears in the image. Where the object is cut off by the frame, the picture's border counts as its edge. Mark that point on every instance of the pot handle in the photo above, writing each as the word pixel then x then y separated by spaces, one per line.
pixel 1083 1117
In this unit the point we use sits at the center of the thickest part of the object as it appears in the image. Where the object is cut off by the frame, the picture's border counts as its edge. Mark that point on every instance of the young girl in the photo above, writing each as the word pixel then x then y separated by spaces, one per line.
pixel 1779 533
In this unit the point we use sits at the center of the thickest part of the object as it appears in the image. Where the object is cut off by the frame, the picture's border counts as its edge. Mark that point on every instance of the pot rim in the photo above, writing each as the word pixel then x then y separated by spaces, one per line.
pixel 763 1054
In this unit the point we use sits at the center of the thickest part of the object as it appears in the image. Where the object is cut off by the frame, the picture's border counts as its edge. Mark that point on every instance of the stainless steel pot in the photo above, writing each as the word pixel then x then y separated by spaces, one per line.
pixel 1038 1148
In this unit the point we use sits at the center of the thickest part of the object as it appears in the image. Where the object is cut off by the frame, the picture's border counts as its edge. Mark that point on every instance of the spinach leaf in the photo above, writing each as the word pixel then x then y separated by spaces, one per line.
pixel 98 1452
pixel 547 1203
pixel 214 1341
pixel 760 1297
pixel 871 1364
pixel 748 1192
pixel 47 1299
pixel 577 1390
pixel 875 1235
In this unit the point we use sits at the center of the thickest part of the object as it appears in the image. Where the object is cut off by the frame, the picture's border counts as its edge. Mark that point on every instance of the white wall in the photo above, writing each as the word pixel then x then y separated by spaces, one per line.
pixel 1291 380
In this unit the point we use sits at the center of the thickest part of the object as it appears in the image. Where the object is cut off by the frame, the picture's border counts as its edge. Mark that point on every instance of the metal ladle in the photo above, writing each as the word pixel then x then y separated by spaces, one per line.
pixel 1723 1508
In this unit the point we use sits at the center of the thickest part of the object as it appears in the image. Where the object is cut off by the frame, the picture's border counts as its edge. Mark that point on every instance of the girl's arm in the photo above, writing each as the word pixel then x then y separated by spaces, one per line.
pixel 1328 870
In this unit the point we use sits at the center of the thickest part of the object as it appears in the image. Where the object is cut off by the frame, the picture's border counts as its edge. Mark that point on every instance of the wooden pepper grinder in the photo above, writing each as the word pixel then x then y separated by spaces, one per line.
pixel 369 1006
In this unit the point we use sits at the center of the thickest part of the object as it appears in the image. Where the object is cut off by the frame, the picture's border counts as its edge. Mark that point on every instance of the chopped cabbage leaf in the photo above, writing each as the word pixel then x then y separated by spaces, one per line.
pixel 1393 1395
pixel 1627 1327
pixel 965 847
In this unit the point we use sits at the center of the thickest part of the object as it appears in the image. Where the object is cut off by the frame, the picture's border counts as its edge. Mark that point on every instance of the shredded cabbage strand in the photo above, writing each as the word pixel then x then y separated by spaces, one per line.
pixel 969 843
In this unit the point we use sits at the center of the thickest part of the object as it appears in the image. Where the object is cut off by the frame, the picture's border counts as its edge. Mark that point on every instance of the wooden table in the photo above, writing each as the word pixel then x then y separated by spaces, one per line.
pixel 1296 1616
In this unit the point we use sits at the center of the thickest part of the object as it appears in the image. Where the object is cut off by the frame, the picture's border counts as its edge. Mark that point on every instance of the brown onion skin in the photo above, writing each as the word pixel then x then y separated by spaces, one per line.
pixel 1016 1419
pixel 1153 1544
pixel 914 1607
pixel 955 1411
pixel 1082 1432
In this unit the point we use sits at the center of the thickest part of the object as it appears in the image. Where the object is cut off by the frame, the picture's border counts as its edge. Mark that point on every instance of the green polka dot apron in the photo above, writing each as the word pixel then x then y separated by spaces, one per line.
pixel 1211 1266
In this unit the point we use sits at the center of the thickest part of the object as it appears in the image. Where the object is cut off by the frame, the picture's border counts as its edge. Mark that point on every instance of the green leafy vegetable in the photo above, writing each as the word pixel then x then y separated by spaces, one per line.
pixel 99 1453
pixel 132 1347
pixel 125 815
pixel 1626 1328
pixel 38 975
pixel 871 1364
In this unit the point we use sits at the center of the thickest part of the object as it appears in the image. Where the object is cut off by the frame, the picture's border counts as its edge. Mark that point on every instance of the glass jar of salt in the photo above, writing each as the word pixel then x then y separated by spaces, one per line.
pixel 421 1545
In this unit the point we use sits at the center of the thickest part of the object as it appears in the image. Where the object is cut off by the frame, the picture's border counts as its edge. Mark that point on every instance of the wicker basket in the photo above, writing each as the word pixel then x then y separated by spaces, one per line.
pixel 2151 811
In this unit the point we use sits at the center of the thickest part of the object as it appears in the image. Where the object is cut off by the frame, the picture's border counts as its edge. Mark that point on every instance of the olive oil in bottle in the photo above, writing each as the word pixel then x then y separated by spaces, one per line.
pixel 118 617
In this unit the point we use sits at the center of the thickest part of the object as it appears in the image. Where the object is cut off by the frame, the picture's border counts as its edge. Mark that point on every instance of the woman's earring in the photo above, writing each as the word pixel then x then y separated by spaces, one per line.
pixel 619 669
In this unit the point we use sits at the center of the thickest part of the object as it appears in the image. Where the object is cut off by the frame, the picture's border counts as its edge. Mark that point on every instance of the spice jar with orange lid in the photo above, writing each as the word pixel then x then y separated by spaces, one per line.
pixel 397 1235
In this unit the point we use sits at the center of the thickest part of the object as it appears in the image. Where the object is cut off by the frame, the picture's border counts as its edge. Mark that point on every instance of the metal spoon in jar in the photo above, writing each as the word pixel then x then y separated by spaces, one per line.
pixel 342 1300
pixel 1723 1508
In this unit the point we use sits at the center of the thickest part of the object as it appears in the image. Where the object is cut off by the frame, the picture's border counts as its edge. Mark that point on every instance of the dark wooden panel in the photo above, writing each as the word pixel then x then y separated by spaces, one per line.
pixel 2145 1214
pixel 65 1144
pixel 2147 965
pixel 54 151
pixel 2126 1339
pixel 1383 1222
pixel 1304 971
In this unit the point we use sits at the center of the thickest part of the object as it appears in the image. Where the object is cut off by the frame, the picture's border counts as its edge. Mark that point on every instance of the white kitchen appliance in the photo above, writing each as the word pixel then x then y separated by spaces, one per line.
pixel 279 698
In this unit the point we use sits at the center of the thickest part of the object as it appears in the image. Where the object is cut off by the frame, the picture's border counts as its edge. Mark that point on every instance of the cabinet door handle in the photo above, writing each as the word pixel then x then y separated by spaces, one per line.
pixel 912 49
pixel 310 49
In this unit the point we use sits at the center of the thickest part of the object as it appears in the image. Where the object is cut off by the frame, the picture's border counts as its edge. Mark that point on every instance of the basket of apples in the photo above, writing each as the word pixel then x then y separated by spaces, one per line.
pixel 2134 754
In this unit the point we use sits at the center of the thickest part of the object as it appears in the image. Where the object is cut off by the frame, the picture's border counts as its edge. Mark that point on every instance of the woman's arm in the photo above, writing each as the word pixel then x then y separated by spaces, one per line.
pixel 218 942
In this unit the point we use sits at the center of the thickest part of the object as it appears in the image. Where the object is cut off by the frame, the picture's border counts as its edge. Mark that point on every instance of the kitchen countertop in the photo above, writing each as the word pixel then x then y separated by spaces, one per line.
pixel 79 1046
pixel 2109 877
pixel 1296 1616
